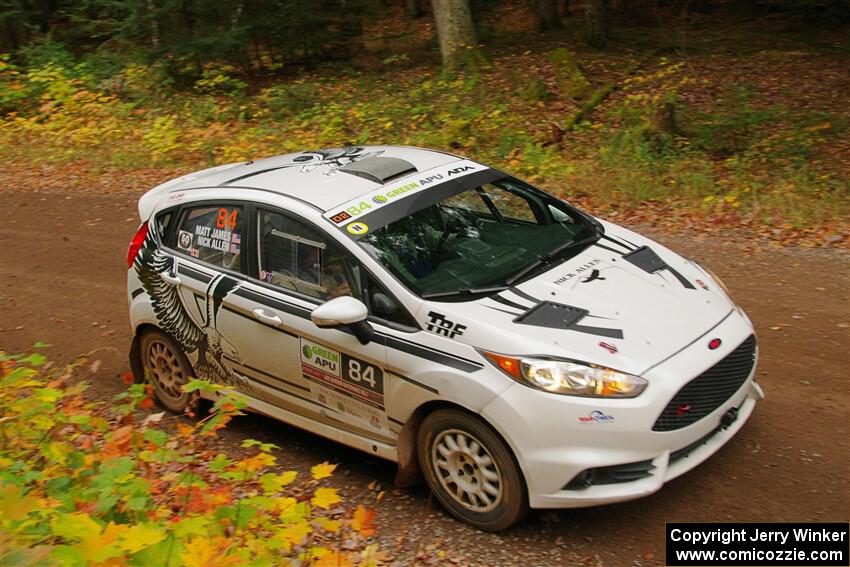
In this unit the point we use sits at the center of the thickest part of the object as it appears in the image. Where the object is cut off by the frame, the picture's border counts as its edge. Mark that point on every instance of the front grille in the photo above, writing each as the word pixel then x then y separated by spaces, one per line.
pixel 709 390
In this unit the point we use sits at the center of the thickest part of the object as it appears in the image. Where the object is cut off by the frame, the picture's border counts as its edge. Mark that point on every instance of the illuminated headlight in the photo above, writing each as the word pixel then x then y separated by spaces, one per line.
pixel 570 378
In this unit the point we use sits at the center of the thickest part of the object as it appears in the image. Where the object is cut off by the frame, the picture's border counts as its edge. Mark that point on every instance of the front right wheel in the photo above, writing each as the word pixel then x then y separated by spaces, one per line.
pixel 471 470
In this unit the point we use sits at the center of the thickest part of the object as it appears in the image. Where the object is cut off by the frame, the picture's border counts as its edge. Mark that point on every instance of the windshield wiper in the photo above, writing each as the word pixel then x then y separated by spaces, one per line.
pixel 465 291
pixel 548 258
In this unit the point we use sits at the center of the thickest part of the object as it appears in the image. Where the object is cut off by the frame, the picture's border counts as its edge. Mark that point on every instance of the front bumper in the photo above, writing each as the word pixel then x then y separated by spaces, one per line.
pixel 556 438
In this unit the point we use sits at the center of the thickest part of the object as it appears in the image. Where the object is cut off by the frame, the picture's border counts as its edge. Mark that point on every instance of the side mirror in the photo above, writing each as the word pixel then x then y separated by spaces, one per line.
pixel 344 311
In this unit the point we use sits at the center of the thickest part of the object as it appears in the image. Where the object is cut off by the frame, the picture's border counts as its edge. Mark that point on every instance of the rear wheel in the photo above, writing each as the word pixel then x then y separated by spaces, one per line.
pixel 168 370
pixel 471 471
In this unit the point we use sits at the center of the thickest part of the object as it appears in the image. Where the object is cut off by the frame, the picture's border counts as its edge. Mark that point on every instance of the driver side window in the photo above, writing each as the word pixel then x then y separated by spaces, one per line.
pixel 296 257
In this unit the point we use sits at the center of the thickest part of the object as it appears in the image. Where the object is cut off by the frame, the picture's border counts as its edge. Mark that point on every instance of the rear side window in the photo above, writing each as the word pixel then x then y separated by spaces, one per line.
pixel 212 234
pixel 297 257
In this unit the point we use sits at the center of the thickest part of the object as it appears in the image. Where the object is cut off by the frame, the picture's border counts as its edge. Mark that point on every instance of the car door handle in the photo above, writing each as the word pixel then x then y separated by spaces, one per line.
pixel 169 279
pixel 265 317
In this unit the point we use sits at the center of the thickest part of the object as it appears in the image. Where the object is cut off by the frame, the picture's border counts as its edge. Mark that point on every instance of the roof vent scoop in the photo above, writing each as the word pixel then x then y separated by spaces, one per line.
pixel 379 169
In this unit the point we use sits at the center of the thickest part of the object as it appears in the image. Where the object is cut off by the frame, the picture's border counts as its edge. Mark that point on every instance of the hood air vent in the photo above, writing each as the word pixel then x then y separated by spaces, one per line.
pixel 379 169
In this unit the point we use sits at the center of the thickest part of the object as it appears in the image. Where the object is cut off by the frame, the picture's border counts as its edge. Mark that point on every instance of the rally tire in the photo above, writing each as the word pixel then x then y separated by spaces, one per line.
pixel 471 470
pixel 167 369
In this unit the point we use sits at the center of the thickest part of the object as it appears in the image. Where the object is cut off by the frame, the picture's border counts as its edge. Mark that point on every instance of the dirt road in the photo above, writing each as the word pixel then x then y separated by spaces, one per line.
pixel 62 276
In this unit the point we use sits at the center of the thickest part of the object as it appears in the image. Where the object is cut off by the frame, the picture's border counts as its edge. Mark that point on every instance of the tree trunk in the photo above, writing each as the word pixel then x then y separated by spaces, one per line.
pixel 663 120
pixel 663 127
pixel 597 22
pixel 456 33
pixel 548 14
pixel 413 8
pixel 152 14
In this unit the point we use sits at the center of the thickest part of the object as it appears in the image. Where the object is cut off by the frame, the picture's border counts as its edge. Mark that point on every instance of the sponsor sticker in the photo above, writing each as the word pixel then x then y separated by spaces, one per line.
pixel 357 228
pixel 440 325
pixel 345 384
pixel 320 357
pixel 387 195
pixel 219 239
pixel 340 217
pixel 581 270
pixel 184 240
pixel 609 347
pixel 596 416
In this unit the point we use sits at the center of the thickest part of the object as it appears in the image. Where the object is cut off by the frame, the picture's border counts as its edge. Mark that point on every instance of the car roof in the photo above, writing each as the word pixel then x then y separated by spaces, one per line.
pixel 325 178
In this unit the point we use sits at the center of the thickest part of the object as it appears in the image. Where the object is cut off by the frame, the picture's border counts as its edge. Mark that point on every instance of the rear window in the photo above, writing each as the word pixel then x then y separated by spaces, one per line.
pixel 212 234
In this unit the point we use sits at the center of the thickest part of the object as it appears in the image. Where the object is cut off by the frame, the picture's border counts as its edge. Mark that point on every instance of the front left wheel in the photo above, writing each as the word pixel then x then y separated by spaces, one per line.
pixel 168 370
pixel 471 470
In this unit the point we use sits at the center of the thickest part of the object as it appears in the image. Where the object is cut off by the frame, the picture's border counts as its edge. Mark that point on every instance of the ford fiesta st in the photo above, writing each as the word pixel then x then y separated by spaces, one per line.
pixel 515 351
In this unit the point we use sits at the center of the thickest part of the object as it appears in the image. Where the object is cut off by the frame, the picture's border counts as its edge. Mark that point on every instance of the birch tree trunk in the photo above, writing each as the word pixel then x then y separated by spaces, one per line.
pixel 458 45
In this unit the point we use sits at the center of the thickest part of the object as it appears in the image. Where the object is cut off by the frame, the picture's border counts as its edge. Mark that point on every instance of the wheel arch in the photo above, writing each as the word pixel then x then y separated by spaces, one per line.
pixel 135 356
pixel 409 473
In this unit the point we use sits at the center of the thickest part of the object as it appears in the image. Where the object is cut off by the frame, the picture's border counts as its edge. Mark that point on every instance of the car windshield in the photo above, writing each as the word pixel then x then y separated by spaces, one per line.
pixel 490 232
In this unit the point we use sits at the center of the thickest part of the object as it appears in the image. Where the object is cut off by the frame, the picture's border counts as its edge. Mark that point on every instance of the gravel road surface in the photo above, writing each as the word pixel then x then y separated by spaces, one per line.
pixel 62 276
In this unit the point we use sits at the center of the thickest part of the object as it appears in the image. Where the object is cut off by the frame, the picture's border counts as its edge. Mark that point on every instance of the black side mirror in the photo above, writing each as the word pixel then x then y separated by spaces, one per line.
pixel 363 331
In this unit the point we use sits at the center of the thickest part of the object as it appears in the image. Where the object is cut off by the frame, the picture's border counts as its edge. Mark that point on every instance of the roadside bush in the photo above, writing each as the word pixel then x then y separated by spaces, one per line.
pixel 219 79
pixel 13 91
pixel 734 123
pixel 84 483
pixel 285 100
pixel 46 51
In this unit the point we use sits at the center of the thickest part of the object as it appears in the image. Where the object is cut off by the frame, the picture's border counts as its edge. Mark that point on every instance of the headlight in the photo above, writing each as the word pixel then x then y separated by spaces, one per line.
pixel 568 377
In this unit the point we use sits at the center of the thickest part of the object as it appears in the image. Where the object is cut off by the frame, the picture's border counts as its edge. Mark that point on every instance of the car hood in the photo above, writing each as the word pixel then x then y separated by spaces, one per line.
pixel 597 307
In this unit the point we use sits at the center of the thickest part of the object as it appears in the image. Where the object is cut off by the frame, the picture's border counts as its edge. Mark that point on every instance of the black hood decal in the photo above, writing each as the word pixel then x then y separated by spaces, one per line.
pixel 553 315
pixel 644 258
pixel 647 260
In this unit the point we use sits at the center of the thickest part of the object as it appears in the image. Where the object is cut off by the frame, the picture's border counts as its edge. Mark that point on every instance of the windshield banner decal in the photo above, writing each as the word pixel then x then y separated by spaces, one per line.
pixel 388 194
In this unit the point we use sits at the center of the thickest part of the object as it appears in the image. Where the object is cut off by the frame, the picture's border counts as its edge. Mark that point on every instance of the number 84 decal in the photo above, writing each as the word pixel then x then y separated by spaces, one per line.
pixel 362 374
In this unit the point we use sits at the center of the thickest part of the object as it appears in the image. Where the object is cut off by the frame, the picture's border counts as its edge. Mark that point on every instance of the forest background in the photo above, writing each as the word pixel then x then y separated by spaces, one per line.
pixel 690 114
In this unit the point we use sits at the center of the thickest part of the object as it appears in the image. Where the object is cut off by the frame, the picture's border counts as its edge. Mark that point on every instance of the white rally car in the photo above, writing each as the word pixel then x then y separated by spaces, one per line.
pixel 444 315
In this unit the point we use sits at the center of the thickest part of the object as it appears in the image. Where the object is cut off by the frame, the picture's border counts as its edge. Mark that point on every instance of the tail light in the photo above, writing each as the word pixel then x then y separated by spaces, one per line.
pixel 136 244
